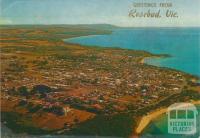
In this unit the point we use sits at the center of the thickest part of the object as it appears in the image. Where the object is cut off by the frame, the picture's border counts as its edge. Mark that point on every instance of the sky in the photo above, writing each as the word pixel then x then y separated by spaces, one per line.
pixel 95 12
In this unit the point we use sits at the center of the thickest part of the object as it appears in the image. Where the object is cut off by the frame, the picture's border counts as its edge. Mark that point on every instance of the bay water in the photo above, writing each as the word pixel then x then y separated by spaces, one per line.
pixel 182 44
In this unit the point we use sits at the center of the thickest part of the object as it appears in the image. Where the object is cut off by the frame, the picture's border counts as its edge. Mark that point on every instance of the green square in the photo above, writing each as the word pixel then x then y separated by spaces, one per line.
pixel 181 114
pixel 173 114
pixel 190 114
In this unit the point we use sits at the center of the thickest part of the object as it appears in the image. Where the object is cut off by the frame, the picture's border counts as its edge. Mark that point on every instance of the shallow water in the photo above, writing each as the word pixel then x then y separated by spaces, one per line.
pixel 159 127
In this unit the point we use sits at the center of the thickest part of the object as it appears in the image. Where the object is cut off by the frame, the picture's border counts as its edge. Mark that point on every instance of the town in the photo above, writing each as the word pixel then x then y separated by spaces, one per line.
pixel 67 84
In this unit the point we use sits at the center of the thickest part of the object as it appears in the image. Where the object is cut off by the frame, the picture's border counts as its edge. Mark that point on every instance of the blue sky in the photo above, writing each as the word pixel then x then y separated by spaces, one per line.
pixel 93 12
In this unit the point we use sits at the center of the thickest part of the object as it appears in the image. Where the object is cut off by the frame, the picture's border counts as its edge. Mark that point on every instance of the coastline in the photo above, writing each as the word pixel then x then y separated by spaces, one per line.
pixel 146 120
pixel 142 61
pixel 85 36
pixel 148 55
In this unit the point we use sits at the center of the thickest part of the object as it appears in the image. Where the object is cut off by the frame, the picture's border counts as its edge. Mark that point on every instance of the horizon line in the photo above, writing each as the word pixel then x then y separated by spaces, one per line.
pixel 101 24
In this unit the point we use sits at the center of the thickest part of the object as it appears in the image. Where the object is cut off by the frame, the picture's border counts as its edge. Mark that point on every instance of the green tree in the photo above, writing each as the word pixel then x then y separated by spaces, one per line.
pixel 23 91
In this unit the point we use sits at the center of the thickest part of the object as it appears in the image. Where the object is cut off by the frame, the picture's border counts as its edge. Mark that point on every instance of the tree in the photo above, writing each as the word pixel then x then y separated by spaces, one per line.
pixel 22 102
pixel 43 95
pixel 58 110
pixel 23 91
pixel 41 89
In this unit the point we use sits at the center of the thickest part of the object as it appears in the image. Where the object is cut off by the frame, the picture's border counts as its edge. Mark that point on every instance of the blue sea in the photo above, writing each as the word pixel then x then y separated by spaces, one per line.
pixel 182 44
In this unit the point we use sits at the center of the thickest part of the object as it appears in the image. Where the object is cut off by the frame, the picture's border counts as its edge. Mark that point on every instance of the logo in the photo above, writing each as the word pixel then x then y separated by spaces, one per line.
pixel 182 118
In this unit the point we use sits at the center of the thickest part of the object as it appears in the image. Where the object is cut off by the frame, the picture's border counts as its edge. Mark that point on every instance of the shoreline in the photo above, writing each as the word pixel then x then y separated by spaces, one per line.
pixel 84 36
pixel 142 61
pixel 146 120
pixel 155 56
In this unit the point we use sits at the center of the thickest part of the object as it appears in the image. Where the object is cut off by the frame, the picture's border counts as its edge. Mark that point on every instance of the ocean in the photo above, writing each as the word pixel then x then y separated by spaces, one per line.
pixel 182 44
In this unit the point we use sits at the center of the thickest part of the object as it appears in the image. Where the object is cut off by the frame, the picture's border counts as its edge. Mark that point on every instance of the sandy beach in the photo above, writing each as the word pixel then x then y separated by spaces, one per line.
pixel 142 61
pixel 145 120
pixel 148 118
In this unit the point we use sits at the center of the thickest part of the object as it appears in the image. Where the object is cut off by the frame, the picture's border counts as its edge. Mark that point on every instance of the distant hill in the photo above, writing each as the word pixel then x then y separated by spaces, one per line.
pixel 98 26
pixel 88 26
